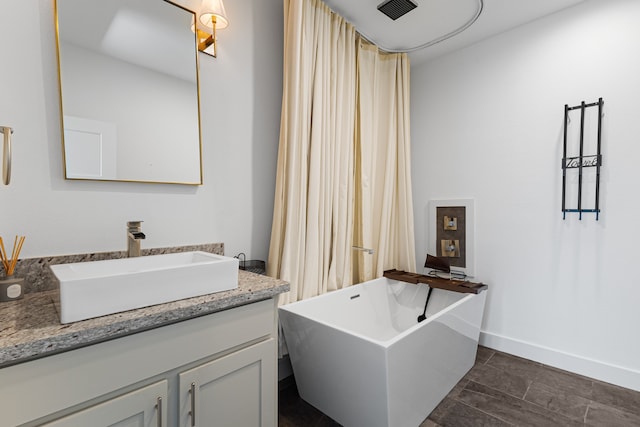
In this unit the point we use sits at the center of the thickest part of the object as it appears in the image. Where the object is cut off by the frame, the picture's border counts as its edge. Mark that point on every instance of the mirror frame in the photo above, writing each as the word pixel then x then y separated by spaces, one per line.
pixel 199 118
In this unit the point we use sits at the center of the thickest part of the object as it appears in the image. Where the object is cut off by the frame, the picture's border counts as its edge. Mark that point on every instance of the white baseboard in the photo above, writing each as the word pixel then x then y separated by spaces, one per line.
pixel 606 372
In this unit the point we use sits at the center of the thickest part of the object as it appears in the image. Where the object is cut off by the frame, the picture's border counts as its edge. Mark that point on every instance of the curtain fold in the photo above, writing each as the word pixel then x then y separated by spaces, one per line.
pixel 384 201
pixel 343 174
pixel 313 209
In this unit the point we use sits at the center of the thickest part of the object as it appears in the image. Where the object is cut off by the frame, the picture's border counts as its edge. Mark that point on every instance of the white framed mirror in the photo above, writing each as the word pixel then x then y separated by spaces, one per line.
pixel 129 91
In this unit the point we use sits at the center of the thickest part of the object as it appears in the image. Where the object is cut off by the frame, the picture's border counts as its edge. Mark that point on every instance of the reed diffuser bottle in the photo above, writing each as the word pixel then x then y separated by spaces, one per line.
pixel 11 288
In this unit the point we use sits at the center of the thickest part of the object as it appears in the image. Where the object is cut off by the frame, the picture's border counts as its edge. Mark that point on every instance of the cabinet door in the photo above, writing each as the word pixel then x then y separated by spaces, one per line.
pixel 145 407
pixel 236 390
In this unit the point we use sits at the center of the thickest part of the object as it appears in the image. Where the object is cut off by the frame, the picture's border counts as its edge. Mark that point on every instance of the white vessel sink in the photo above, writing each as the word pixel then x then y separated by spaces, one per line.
pixel 97 288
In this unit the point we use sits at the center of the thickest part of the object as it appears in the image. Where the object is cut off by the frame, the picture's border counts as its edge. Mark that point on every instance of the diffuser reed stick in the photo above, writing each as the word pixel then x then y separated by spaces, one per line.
pixel 9 263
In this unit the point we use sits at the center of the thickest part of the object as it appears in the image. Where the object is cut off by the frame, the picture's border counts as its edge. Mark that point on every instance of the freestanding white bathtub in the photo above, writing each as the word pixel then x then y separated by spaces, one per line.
pixel 360 356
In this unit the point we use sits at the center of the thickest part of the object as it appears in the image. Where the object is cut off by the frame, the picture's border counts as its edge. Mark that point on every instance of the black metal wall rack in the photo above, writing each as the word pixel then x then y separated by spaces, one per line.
pixel 582 161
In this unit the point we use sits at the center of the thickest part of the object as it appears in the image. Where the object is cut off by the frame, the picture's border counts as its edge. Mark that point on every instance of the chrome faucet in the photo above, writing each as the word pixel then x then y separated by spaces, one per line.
pixel 360 248
pixel 134 235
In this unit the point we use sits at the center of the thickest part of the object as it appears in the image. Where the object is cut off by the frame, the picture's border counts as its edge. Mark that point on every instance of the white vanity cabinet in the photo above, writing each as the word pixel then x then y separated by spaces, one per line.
pixel 145 379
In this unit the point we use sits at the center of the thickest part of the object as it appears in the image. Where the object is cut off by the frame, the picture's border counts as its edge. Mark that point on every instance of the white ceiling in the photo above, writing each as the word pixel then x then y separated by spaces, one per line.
pixel 459 22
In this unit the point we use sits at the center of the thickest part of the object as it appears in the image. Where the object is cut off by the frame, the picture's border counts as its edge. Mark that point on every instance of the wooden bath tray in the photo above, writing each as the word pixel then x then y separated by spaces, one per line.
pixel 462 286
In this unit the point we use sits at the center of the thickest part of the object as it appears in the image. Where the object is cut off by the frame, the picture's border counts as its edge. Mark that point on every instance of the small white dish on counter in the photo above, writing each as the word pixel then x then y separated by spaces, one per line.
pixel 98 288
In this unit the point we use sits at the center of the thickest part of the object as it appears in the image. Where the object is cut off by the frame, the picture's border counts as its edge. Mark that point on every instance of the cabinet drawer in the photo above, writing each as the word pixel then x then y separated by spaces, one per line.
pixel 144 407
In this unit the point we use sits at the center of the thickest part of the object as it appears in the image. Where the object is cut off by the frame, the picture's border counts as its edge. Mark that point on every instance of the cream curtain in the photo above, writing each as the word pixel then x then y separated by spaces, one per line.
pixel 384 205
pixel 343 175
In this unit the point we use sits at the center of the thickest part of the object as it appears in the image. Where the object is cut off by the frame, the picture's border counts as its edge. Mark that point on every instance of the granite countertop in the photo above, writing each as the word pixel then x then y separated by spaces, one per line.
pixel 30 328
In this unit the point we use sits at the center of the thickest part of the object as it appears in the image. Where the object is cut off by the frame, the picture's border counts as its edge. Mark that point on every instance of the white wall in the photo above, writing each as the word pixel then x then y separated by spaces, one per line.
pixel 240 100
pixel 487 124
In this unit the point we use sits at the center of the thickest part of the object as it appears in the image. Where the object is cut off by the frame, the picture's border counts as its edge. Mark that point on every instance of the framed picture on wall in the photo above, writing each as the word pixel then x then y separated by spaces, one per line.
pixel 451 233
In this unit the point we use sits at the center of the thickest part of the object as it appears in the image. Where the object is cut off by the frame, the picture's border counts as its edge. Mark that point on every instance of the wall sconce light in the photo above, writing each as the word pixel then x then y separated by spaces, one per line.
pixel 211 17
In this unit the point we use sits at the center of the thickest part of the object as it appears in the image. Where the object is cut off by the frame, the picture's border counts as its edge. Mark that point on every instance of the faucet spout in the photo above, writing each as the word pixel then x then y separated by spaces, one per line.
pixel 360 248
pixel 134 235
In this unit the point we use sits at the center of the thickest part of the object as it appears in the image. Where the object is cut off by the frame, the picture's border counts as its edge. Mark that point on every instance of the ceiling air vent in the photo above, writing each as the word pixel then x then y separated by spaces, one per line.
pixel 394 9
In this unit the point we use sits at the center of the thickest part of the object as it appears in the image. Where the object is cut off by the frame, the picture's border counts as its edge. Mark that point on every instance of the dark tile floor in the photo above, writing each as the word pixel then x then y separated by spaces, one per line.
pixel 504 390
